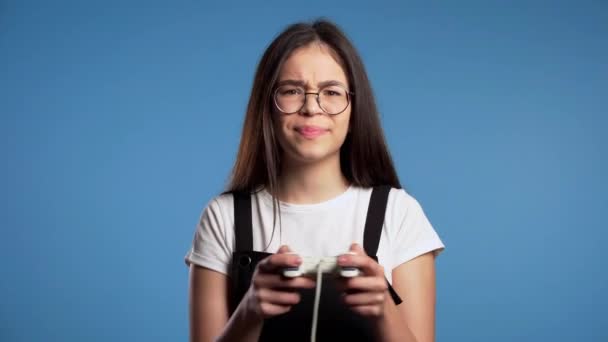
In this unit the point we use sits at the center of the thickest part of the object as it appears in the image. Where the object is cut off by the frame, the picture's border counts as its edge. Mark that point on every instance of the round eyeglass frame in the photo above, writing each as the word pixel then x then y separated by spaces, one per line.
pixel 348 96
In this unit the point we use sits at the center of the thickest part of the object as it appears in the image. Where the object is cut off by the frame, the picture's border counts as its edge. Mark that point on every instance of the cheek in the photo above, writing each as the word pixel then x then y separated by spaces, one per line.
pixel 343 125
pixel 282 126
pixel 282 130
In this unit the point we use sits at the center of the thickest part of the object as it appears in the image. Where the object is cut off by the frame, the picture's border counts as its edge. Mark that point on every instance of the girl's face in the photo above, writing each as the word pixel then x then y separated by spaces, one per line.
pixel 311 135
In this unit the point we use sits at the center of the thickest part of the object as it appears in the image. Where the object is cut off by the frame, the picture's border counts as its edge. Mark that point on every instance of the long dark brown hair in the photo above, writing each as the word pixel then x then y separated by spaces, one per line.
pixel 364 157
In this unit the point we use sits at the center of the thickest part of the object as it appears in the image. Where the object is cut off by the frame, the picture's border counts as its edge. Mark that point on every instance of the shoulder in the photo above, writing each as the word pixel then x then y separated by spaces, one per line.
pixel 223 200
pixel 401 207
pixel 223 204
pixel 219 207
pixel 398 198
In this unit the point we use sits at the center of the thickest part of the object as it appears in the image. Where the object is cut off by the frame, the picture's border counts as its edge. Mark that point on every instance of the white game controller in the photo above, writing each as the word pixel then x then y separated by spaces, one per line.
pixel 329 264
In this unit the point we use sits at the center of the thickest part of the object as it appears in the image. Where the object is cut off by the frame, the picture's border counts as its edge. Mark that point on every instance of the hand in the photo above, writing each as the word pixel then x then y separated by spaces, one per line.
pixel 271 294
pixel 364 294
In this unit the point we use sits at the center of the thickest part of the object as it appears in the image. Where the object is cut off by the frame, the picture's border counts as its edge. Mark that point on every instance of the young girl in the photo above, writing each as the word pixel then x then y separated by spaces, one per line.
pixel 313 178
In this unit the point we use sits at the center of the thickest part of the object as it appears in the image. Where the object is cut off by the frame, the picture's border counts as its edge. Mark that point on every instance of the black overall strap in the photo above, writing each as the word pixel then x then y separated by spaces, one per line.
pixel 243 259
pixel 242 221
pixel 373 227
pixel 375 219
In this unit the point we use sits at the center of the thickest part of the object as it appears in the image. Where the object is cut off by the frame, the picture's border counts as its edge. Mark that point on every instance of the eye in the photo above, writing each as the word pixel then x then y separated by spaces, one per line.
pixel 333 92
pixel 290 91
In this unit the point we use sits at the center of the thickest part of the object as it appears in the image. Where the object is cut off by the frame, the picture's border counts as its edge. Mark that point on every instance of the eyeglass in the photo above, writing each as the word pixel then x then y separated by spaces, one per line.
pixel 333 99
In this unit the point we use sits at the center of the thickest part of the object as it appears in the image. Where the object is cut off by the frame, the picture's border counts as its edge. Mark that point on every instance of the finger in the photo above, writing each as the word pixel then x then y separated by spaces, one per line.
pixel 268 310
pixel 275 262
pixel 364 298
pixel 277 297
pixel 365 284
pixel 277 281
pixel 357 249
pixel 364 263
pixel 368 310
pixel 284 249
pixel 342 285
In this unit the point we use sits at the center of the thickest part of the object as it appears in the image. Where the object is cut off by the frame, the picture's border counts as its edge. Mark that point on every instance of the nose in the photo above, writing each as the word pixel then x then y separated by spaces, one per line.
pixel 311 104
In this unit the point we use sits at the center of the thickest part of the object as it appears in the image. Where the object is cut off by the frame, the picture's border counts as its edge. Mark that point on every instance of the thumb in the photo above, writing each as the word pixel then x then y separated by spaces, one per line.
pixel 357 249
pixel 284 249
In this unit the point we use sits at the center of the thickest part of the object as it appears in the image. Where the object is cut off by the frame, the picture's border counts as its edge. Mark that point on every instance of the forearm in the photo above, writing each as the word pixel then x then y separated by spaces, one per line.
pixel 391 326
pixel 243 326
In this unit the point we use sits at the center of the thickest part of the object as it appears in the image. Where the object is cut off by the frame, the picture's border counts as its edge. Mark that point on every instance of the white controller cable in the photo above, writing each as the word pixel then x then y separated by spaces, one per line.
pixel 315 312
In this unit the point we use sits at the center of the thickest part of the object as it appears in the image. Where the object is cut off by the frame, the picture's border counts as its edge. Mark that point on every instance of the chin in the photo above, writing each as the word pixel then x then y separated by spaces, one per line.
pixel 311 155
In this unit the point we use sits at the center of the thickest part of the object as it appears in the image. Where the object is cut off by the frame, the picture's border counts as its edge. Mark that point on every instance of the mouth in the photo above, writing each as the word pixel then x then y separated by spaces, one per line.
pixel 311 131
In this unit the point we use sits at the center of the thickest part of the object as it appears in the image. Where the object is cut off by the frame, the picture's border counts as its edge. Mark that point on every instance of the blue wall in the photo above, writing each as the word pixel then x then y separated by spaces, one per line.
pixel 120 121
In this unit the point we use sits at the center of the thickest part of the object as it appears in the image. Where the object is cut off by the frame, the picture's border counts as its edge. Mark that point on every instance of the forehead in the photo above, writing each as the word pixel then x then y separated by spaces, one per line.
pixel 313 63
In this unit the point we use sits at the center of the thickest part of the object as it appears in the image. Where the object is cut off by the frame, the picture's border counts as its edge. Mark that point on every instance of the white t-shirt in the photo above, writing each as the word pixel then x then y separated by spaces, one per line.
pixel 321 229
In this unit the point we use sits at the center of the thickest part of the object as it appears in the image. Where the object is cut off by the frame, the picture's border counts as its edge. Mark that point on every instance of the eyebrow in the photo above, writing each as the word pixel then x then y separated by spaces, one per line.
pixel 303 84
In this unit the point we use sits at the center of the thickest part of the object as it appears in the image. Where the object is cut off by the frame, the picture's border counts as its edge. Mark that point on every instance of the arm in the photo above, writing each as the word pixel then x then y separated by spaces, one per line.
pixel 411 321
pixel 209 310
pixel 208 307
pixel 269 295
pixel 415 282
pixel 416 245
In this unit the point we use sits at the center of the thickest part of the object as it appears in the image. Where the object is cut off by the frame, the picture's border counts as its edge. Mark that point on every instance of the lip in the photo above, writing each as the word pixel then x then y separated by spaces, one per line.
pixel 311 131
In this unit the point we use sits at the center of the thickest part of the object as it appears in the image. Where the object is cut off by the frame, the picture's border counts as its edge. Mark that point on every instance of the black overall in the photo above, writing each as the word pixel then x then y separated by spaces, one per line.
pixel 335 320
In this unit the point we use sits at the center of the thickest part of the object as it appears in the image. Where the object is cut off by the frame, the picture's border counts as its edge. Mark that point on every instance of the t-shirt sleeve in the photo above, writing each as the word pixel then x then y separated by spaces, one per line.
pixel 210 247
pixel 414 233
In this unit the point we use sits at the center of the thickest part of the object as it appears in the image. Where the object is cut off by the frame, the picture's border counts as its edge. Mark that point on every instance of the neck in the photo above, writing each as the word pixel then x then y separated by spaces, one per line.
pixel 302 183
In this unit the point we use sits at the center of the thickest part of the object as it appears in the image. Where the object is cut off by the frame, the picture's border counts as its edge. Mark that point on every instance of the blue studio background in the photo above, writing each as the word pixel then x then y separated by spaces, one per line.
pixel 121 119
